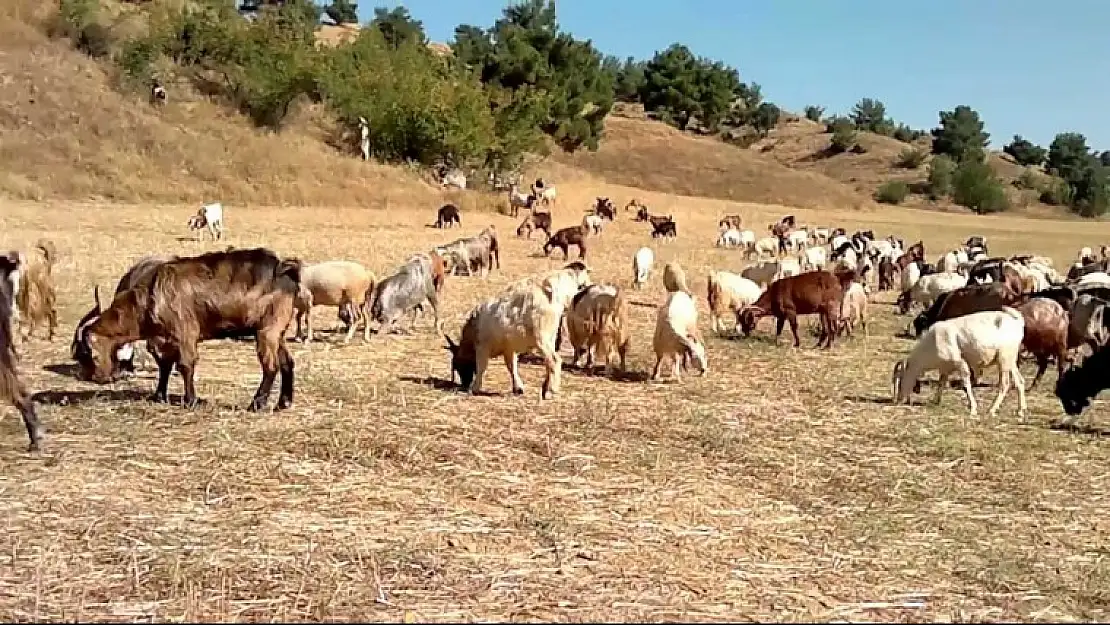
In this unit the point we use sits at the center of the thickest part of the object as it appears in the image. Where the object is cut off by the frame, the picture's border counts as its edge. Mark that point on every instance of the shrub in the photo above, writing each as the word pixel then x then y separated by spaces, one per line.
pixel 843 135
pixel 814 112
pixel 1028 180
pixel 1057 192
pixel 975 186
pixel 95 40
pixel 135 58
pixel 892 192
pixel 910 158
pixel 941 169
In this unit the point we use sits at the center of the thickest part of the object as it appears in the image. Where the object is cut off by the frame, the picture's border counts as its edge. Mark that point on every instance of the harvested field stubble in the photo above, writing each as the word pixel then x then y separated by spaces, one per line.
pixel 780 486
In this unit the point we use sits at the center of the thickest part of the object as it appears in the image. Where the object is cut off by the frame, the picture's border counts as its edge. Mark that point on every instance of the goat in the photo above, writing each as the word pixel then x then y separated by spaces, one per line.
pixel 886 274
pixel 527 315
pixel 518 200
pixel 598 324
pixel 816 292
pixel 1081 383
pixel 35 296
pixel 604 209
pixel 480 252
pixel 341 283
pixel 962 346
pixel 188 300
pixel 12 389
pixel 452 178
pixel 676 335
pixel 763 273
pixel 592 223
pixel 641 212
pixel 663 226
pixel 729 238
pixel 566 237
pixel 448 216
pixel 731 222
pixel 768 246
pixel 404 292
pixel 853 309
pixel 813 259
pixel 1087 322
pixel 1046 334
pixel 641 266
pixel 674 278
pixel 544 193
pixel 209 217
pixel 929 287
pixel 728 292
pixel 965 300
pixel 535 221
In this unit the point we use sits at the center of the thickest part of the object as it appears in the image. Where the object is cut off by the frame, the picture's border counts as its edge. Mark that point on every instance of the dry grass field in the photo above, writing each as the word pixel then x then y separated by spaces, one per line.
pixel 781 486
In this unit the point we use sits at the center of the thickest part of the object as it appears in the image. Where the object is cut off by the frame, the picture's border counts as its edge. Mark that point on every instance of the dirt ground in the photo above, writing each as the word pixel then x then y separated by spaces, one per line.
pixel 781 486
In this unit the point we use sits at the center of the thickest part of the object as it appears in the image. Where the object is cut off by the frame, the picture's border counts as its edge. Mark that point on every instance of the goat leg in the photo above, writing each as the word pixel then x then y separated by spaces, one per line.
pixel 186 365
pixel 269 358
pixel 1042 366
pixel 514 373
pixel 286 366
pixel 35 431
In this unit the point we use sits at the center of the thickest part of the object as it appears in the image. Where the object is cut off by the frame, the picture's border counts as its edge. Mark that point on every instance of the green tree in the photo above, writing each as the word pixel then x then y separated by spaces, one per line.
pixel 342 11
pixel 941 170
pixel 629 80
pixel 843 135
pixel 398 26
pixel 1069 157
pixel 960 135
pixel 870 115
pixel 671 89
pixel 765 119
pixel 892 192
pixel 1104 158
pixel 975 186
pixel 1025 152
pixel 814 112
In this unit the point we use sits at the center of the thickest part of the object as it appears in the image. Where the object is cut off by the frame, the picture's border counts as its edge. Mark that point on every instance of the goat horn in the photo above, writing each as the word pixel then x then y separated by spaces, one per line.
pixel 96 297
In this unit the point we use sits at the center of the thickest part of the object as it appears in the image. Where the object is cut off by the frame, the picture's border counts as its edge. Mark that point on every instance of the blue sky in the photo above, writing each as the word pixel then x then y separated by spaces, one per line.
pixel 1029 67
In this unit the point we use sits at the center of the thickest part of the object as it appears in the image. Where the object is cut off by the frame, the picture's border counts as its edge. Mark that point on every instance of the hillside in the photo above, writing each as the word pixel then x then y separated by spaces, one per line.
pixel 69 134
pixel 801 144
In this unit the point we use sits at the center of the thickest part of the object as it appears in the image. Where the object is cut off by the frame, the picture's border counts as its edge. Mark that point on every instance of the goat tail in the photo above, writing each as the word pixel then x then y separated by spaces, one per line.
pixel 10 386
pixel 713 292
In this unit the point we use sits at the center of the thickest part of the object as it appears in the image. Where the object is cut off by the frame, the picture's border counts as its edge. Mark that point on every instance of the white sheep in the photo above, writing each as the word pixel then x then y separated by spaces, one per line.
pixel 932 286
pixel 813 259
pixel 962 345
pixel 676 335
pixel 853 309
pixel 641 267
pixel 729 238
pixel 210 217
pixel 728 292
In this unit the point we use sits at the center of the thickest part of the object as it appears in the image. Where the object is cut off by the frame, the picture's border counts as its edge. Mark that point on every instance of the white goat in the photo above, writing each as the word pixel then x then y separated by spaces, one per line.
pixel 676 335
pixel 797 240
pixel 641 267
pixel 813 259
pixel 932 286
pixel 767 245
pixel 210 217
pixel 962 345
pixel 788 267
pixel 853 308
pixel 1097 278
pixel 729 238
pixel 747 241
pixel 341 283
pixel 592 223
pixel 728 292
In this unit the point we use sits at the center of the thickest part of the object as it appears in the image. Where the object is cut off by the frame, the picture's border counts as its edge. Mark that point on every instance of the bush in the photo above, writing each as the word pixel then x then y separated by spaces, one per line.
pixel 941 169
pixel 1057 192
pixel 910 158
pixel 814 112
pixel 892 192
pixel 135 58
pixel 975 186
pixel 843 135
pixel 1028 180
pixel 95 40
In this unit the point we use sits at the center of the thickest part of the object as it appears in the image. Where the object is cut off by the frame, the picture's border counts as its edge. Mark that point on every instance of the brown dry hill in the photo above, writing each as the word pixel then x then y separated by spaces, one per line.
pixel 802 144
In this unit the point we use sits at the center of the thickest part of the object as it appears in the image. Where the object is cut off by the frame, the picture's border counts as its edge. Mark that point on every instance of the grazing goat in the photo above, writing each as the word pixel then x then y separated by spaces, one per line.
pixel 853 310
pixel 965 300
pixel 518 200
pixel 729 238
pixel 768 246
pixel 676 335
pixel 597 325
pixel 816 292
pixel 604 208
pixel 813 259
pixel 141 271
pixel 12 389
pixel 886 274
pixel 642 213
pixel 763 273
pixel 1046 334
pixel 663 226
pixel 35 296
pixel 525 316
pixel 209 217
pixel 188 300
pixel 404 292
pixel 1088 321
pixel 545 193
pixel 729 293
pixel 448 216
pixel 566 237
pixel 1081 383
pixel 341 283
pixel 641 267
pixel 963 346
pixel 535 221
pixel 592 223
pixel 928 288
pixel 479 252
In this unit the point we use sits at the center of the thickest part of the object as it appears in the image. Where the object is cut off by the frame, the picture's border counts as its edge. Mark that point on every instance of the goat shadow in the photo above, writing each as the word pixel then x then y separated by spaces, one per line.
pixel 64 369
pixel 598 371
pixel 1089 430
pixel 870 399
pixel 438 384
pixel 61 398
pixel 643 304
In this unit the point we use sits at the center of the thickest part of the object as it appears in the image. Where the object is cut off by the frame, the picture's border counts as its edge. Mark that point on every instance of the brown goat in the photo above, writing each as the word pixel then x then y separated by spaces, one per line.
pixel 12 389
pixel 566 237
pixel 659 220
pixel 1046 334
pixel 535 221
pixel 35 299
pixel 814 292
pixel 237 293
pixel 964 301
pixel 731 221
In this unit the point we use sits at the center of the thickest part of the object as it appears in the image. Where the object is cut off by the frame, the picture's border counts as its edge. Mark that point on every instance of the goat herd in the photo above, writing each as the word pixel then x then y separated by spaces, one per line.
pixel 978 311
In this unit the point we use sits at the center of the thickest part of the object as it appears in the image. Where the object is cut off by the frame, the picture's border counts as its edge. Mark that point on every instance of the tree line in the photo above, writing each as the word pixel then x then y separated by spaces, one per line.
pixel 514 86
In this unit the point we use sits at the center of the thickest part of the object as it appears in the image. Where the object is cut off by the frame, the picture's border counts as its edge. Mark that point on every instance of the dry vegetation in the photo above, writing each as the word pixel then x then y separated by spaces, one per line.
pixel 761 491
pixel 774 488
